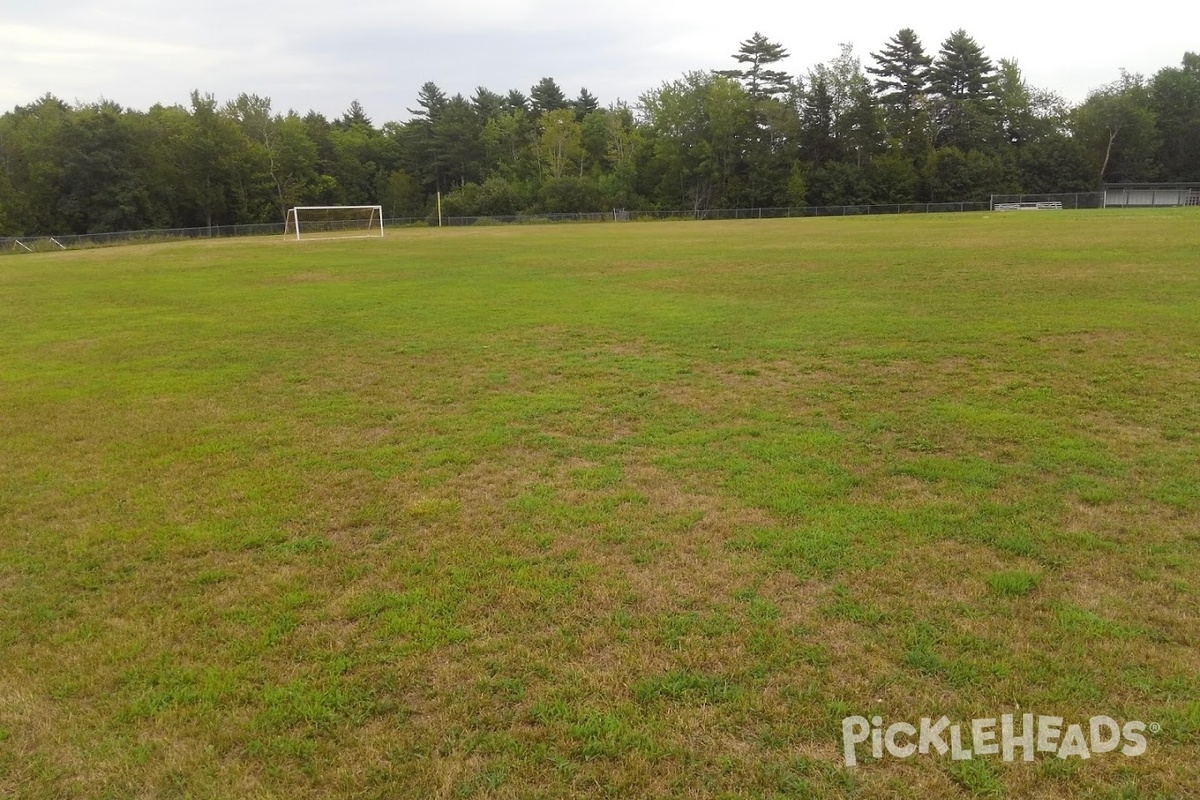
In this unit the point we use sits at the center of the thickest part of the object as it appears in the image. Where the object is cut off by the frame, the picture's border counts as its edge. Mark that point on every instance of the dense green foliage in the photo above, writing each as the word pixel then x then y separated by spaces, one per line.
pixel 911 126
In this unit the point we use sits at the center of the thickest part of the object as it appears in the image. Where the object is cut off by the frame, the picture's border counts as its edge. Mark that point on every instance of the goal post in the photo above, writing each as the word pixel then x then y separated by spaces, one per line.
pixel 334 222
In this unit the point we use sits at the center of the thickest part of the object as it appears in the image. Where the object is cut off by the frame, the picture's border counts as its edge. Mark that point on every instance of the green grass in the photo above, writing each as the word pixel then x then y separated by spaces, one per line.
pixel 1013 582
pixel 615 510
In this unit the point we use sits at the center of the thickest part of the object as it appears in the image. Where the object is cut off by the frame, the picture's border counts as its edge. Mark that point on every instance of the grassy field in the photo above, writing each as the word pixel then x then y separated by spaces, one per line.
pixel 600 510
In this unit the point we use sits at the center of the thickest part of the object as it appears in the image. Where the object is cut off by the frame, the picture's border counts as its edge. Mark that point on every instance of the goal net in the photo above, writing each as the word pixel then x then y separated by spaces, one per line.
pixel 334 222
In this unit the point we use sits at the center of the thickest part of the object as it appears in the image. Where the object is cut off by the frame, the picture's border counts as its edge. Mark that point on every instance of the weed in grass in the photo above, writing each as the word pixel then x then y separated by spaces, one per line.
pixel 845 606
pixel 807 778
pixel 924 648
pixel 1059 770
pixel 687 687
pixel 1180 722
pixel 1073 619
pixel 1013 583
pixel 596 733
pixel 978 777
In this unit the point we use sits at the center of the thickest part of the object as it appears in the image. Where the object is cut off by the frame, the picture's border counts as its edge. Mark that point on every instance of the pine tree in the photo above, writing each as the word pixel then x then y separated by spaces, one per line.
pixel 487 104
pixel 903 71
pixel 432 102
pixel 963 81
pixel 456 135
pixel 516 102
pixel 546 96
pixel 759 53
pixel 585 104
pixel 901 84
pixel 962 71
pixel 423 154
pixel 355 115
pixel 817 113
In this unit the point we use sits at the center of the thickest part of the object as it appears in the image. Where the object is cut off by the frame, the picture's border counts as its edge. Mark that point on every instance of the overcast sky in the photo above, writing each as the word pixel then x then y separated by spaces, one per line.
pixel 306 54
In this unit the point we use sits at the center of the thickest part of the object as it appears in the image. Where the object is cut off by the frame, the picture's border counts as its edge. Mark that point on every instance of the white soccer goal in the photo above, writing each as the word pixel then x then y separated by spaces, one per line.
pixel 334 222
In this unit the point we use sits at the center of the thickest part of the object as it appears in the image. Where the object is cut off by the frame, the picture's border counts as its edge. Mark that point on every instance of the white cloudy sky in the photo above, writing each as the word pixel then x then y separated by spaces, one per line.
pixel 310 54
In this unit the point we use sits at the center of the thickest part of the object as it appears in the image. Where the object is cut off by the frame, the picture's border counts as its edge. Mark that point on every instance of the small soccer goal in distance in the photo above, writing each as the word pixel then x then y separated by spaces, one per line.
pixel 334 222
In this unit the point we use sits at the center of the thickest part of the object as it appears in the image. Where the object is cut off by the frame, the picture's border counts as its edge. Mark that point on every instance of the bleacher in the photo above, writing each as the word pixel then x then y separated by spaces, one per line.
pixel 1054 206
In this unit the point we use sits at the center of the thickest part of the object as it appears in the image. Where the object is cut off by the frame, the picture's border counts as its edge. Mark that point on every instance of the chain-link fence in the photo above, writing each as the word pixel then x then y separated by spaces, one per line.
pixel 32 244
pixel 622 215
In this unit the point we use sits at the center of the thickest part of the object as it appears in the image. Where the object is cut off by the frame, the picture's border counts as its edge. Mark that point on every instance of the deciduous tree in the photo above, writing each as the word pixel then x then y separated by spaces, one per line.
pixel 1116 125
pixel 1175 102
pixel 560 143
pixel 698 124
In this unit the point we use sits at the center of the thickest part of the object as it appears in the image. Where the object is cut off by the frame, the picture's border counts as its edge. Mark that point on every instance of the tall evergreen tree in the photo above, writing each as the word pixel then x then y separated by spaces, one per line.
pixel 901 85
pixel 758 173
pixel 487 104
pixel 961 71
pixel 902 71
pixel 457 135
pixel 757 54
pixel 585 104
pixel 516 101
pixel 546 96
pixel 431 100
pixel 420 145
pixel 355 115
pixel 817 141
pixel 963 80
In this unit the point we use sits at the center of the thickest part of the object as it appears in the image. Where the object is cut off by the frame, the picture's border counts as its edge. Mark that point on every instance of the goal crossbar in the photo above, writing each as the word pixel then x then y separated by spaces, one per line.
pixel 347 222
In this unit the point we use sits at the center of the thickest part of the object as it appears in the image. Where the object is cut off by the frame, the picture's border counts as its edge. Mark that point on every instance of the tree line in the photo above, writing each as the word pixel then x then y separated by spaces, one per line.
pixel 906 126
